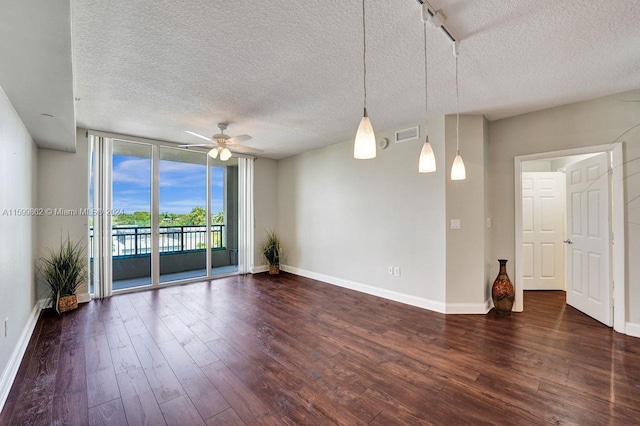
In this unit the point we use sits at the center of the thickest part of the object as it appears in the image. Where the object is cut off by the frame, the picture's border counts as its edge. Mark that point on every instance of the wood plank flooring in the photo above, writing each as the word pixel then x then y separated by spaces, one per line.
pixel 290 350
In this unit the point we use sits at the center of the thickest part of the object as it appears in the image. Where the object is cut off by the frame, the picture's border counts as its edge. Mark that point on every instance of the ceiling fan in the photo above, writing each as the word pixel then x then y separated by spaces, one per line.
pixel 224 144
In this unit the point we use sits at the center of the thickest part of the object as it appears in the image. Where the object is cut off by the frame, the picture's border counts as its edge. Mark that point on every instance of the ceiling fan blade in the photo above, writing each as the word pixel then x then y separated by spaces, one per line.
pixel 189 145
pixel 199 136
pixel 238 139
pixel 245 149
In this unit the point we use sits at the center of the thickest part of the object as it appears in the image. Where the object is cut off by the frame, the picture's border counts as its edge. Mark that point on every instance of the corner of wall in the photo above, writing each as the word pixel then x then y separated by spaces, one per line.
pixel 265 204
pixel 60 188
pixel 468 246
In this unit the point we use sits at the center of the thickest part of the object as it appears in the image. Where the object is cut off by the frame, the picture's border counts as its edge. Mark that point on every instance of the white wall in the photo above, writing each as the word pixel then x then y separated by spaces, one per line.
pixel 348 220
pixel 595 122
pixel 265 204
pixel 18 171
pixel 63 183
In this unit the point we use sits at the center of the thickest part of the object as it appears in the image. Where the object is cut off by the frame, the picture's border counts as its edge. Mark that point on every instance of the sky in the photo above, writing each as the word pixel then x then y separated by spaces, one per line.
pixel 182 185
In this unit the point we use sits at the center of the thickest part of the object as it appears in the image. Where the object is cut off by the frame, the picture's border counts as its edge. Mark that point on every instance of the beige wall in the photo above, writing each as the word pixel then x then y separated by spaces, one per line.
pixel 595 122
pixel 350 219
pixel 265 203
pixel 491 266
pixel 467 280
pixel 63 183
pixel 18 172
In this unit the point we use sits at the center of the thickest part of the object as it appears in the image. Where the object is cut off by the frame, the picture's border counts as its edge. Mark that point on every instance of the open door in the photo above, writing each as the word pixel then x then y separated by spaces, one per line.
pixel 588 242
pixel 543 220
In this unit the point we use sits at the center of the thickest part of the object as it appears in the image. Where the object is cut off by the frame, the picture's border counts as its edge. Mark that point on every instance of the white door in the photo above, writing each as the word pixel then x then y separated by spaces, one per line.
pixel 543 205
pixel 588 241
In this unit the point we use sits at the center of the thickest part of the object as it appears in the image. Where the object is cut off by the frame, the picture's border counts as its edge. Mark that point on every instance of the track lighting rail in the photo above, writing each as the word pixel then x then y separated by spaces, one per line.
pixel 436 19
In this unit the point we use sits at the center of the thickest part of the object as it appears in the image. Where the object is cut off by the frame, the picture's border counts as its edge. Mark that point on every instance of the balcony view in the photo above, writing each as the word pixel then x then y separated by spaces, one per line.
pixel 182 218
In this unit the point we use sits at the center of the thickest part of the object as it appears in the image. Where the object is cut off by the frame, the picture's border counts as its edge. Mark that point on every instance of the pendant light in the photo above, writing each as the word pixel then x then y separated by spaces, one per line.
pixel 427 162
pixel 457 169
pixel 365 143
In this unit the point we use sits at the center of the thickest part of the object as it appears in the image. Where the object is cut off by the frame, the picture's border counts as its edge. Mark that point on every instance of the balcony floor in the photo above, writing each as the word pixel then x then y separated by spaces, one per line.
pixel 145 281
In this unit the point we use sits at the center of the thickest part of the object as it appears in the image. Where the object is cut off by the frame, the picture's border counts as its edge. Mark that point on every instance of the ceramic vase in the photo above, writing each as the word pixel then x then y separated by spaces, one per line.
pixel 502 291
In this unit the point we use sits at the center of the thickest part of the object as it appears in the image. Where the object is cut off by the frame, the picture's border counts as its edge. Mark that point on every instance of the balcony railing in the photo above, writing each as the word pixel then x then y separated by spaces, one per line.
pixel 136 240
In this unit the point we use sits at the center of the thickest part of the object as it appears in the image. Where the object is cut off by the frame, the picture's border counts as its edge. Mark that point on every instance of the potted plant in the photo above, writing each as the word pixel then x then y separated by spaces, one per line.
pixel 272 250
pixel 64 270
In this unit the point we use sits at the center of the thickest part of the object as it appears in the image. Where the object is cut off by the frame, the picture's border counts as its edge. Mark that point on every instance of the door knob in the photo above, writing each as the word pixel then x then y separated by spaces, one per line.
pixel 568 242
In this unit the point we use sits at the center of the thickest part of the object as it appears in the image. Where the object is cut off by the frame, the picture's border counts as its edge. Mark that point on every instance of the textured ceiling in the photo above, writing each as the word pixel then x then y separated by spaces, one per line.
pixel 290 73
pixel 36 69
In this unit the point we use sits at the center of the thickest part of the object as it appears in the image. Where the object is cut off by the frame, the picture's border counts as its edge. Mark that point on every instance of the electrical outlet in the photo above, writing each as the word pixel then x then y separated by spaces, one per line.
pixel 455 223
pixel 396 271
pixel 488 222
pixel 390 270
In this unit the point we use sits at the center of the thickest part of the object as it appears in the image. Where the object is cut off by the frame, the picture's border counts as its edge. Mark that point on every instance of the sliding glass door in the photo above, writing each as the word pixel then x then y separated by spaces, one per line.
pixel 131 221
pixel 171 215
pixel 183 214
pixel 223 178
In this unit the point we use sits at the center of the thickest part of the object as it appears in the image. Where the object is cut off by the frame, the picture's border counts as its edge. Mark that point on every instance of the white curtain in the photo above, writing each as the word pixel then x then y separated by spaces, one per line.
pixel 245 213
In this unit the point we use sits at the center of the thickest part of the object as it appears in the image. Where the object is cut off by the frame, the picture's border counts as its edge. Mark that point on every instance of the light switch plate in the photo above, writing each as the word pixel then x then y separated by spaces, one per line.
pixel 455 223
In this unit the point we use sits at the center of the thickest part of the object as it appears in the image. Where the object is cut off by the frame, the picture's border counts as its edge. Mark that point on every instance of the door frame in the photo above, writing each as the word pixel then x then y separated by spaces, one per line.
pixel 616 216
pixel 155 266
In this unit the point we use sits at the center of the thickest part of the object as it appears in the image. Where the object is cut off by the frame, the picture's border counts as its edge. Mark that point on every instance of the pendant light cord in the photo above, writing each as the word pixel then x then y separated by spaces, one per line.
pixel 364 54
pixel 457 110
pixel 426 98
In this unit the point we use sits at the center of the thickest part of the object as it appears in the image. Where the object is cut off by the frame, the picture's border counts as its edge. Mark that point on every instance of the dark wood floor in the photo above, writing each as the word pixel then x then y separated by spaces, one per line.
pixel 289 350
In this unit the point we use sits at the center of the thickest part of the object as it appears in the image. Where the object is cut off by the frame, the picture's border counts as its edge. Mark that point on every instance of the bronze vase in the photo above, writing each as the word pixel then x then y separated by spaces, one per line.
pixel 502 291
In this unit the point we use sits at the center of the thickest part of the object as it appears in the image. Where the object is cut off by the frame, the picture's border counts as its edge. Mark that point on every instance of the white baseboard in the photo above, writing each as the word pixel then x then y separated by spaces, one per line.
pixel 374 291
pixel 83 297
pixel 10 371
pixel 260 268
pixel 632 329
pixel 469 308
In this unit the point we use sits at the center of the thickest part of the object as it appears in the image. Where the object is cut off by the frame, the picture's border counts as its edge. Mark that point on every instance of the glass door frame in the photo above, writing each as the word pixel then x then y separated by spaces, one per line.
pixel 101 152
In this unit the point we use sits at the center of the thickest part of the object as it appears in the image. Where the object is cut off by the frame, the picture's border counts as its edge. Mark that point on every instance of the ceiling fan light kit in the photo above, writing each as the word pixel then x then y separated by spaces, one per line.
pixel 225 154
pixel 223 144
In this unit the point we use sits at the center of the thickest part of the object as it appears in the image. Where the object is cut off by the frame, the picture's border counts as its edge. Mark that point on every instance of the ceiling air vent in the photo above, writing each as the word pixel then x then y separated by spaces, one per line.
pixel 408 134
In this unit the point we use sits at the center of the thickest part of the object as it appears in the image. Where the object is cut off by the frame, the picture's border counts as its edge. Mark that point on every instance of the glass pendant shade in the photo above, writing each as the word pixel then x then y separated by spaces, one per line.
pixel 213 153
pixel 225 154
pixel 365 145
pixel 427 163
pixel 457 170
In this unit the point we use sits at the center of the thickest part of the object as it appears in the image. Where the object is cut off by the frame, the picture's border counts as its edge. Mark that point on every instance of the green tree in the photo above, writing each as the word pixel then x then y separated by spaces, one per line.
pixel 217 218
pixel 197 217
pixel 134 219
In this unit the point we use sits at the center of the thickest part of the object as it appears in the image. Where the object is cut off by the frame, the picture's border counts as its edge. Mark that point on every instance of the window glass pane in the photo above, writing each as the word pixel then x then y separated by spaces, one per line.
pixel 183 215
pixel 131 227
